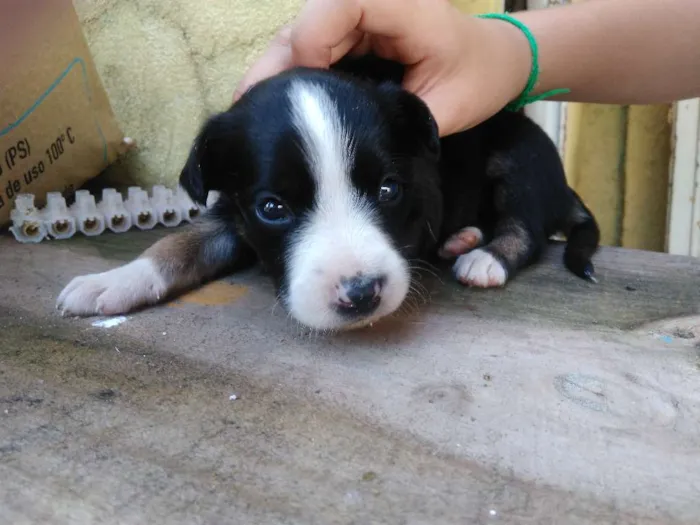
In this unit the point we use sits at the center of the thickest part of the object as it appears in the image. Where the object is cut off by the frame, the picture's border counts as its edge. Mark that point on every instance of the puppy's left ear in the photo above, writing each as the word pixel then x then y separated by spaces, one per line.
pixel 412 123
pixel 191 177
pixel 211 163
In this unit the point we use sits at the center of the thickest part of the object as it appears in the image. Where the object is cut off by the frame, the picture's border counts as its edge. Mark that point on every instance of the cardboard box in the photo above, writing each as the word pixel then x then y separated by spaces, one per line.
pixel 57 129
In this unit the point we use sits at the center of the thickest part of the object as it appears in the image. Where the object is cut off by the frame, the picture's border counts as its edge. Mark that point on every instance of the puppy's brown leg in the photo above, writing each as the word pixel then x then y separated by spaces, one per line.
pixel 513 247
pixel 173 264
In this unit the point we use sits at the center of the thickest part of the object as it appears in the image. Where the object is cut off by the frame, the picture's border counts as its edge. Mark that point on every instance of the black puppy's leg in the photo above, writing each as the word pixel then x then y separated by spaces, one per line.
pixel 513 247
pixel 173 264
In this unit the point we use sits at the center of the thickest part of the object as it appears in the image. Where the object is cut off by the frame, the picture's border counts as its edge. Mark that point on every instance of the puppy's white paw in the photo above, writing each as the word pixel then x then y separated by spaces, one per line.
pixel 465 240
pixel 481 269
pixel 117 291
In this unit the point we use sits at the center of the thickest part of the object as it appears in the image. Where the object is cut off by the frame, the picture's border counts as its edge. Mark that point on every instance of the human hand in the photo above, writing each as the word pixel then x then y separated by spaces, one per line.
pixel 466 69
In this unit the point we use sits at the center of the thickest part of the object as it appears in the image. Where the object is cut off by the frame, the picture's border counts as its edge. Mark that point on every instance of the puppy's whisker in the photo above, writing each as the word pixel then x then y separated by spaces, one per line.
pixel 278 299
pixel 418 294
pixel 419 270
pixel 430 230
pixel 423 264
pixel 418 297
pixel 409 307
pixel 417 285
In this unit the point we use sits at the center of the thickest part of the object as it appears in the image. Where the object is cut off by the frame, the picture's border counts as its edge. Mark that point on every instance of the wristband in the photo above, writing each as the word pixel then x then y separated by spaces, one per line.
pixel 525 97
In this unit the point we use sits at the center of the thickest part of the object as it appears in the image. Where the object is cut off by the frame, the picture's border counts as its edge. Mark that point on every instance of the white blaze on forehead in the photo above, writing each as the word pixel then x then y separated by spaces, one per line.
pixel 326 142
pixel 341 237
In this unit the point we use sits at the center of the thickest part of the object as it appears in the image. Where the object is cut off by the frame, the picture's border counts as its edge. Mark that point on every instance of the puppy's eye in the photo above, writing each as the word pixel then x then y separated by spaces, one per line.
pixel 389 191
pixel 273 211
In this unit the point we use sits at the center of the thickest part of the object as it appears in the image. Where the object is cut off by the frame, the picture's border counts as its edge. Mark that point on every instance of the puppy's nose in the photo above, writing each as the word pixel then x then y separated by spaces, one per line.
pixel 360 295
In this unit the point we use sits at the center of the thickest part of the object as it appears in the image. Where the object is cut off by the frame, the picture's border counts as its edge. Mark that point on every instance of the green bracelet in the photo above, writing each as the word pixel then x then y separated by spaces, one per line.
pixel 525 98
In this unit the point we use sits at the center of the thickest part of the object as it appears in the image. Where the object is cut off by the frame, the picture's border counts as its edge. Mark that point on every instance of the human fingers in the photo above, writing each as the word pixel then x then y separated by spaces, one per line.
pixel 277 58
pixel 324 29
pixel 301 44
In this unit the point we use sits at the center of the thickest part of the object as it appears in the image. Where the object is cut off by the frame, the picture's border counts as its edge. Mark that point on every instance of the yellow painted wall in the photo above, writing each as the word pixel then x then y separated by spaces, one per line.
pixel 647 161
pixel 617 158
pixel 594 158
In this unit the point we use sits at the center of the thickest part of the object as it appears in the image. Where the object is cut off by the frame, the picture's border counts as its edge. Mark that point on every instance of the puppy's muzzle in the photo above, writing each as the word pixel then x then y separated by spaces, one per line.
pixel 359 296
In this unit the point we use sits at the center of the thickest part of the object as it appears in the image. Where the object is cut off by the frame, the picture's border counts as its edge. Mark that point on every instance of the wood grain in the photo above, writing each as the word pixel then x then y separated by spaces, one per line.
pixel 551 401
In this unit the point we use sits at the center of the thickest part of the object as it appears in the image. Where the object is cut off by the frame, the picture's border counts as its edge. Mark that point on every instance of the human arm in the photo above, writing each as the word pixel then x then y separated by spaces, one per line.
pixel 466 68
pixel 619 51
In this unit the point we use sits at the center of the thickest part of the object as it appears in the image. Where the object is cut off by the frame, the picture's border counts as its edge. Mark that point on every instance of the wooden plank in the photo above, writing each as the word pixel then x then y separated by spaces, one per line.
pixel 504 405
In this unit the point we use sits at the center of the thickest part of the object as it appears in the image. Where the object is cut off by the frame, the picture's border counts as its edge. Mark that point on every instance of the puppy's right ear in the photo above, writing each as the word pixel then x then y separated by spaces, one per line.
pixel 211 163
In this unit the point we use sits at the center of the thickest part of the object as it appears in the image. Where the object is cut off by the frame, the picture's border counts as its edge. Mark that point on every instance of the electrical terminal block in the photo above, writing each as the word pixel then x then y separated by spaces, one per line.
pixel 143 214
pixel 57 220
pixel 27 223
pixel 89 219
pixel 115 214
pixel 167 208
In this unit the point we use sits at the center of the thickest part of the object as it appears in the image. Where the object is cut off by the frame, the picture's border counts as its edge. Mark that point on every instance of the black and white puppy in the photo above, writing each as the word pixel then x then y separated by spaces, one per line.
pixel 337 183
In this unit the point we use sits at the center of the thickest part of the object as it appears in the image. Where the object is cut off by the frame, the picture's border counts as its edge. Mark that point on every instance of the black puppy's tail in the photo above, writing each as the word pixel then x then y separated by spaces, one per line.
pixel 583 238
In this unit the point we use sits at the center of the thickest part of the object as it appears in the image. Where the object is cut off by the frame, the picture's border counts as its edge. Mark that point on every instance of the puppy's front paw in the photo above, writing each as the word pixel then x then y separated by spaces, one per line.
pixel 464 241
pixel 481 269
pixel 117 291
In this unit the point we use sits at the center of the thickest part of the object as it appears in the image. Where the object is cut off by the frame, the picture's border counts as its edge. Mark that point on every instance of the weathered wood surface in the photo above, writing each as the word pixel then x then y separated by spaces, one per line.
pixel 551 401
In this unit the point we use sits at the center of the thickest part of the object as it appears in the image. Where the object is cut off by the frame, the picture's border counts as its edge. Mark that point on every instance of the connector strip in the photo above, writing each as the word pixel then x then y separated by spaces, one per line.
pixel 114 213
